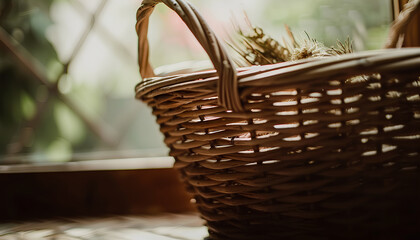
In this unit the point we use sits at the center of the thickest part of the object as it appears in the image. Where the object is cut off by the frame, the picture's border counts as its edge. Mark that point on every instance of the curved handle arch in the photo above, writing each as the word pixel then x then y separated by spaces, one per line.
pixel 227 83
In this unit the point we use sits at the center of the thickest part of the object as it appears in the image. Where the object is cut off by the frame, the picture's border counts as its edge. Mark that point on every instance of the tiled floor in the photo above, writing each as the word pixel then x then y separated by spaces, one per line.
pixel 163 227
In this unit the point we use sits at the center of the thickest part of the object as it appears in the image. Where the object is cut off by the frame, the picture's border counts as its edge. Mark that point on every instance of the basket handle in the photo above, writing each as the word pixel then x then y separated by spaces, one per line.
pixel 400 24
pixel 227 83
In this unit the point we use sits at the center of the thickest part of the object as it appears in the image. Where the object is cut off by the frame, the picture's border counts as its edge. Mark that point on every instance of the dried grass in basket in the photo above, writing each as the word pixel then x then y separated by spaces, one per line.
pixel 317 148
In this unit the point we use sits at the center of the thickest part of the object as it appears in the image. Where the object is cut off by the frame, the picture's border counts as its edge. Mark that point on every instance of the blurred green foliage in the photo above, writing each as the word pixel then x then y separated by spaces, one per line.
pixel 366 22
pixel 57 133
pixel 26 22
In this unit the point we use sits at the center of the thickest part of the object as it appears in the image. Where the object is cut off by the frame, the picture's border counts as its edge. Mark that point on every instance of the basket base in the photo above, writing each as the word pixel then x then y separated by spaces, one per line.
pixel 391 215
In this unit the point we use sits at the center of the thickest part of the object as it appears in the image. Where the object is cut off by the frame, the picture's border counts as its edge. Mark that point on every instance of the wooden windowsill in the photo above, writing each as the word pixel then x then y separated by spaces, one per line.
pixel 92 188
pixel 90 165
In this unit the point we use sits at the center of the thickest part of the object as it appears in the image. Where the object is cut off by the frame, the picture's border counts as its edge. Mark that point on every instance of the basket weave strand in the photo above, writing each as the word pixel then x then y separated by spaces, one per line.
pixel 319 149
pixel 400 25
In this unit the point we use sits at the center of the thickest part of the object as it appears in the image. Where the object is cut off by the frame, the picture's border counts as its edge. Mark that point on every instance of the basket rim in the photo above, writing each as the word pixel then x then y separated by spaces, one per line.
pixel 384 60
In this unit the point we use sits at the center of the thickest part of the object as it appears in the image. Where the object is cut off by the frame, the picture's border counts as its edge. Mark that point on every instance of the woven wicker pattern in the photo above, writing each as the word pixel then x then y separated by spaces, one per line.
pixel 324 148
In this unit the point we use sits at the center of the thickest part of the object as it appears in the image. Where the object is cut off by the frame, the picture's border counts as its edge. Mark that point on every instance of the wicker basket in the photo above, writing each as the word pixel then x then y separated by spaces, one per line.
pixel 320 149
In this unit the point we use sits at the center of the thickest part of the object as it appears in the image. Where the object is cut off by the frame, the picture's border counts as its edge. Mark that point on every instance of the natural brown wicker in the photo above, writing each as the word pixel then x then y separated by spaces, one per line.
pixel 318 148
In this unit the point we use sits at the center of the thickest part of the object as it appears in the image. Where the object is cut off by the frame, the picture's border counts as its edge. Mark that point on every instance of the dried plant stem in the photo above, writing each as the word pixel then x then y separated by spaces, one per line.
pixel 255 47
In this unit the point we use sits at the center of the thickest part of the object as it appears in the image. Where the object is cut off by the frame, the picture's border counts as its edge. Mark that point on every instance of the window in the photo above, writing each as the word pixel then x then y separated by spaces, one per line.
pixel 68 68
